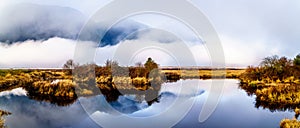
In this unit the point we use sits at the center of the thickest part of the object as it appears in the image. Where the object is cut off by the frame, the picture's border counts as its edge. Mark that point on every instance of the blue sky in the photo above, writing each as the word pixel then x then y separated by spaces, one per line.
pixel 248 30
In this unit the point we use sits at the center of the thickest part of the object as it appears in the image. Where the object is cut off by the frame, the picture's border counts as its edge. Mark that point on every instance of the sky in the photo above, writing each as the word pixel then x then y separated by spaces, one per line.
pixel 42 34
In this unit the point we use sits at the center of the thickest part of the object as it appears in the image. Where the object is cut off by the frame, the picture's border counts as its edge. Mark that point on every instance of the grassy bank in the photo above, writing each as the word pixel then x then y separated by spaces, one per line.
pixel 111 80
pixel 276 84
pixel 60 83
pixel 202 73
pixel 2 121
pixel 290 123
pixel 277 97
pixel 63 88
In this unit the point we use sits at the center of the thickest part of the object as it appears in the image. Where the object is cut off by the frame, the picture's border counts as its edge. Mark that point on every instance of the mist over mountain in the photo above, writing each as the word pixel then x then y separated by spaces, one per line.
pixel 23 22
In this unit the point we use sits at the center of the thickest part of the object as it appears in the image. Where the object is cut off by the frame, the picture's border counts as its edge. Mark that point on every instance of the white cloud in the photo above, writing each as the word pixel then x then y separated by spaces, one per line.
pixel 164 27
pixel 273 24
pixel 177 53
pixel 54 52
pixel 16 92
pixel 87 7
pixel 241 53
pixel 247 37
pixel 37 54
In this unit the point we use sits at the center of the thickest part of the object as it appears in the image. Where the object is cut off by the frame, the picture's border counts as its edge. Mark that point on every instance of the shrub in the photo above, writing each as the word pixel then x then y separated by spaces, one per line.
pixel 288 123
pixel 2 121
pixel 58 88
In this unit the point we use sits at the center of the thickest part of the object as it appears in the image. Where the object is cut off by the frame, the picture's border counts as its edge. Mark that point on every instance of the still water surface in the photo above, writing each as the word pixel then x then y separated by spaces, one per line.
pixel 235 109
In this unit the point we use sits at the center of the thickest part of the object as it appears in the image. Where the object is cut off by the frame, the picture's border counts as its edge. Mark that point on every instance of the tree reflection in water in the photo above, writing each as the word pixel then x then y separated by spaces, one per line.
pixel 272 100
pixel 111 94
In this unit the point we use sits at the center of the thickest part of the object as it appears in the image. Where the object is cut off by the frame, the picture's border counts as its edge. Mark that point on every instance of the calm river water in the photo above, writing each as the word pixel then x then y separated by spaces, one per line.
pixel 235 108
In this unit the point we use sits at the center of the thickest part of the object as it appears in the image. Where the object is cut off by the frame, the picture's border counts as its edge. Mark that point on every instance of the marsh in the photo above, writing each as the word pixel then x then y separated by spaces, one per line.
pixel 235 106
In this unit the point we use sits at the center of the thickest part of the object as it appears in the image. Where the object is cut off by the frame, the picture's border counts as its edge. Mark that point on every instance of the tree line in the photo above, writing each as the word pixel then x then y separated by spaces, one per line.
pixel 274 68
pixel 112 68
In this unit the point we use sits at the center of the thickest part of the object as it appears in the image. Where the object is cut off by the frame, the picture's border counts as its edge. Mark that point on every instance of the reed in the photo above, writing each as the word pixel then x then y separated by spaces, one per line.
pixel 290 123
pixel 2 121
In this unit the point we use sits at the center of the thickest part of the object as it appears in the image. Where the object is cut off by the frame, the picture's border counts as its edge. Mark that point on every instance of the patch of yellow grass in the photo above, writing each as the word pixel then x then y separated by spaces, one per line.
pixel 60 88
pixel 290 123
pixel 2 121
pixel 207 73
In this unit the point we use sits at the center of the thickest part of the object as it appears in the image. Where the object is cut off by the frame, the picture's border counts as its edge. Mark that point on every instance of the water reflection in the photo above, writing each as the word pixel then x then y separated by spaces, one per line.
pixel 111 95
pixel 234 106
pixel 31 113
pixel 59 101
pixel 49 113
pixel 267 104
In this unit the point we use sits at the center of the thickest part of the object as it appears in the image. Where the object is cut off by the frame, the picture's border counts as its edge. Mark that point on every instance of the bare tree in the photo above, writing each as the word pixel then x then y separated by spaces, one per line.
pixel 69 64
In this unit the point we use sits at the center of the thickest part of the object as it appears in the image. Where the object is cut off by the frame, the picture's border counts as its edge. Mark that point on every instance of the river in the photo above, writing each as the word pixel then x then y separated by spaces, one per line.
pixel 235 108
